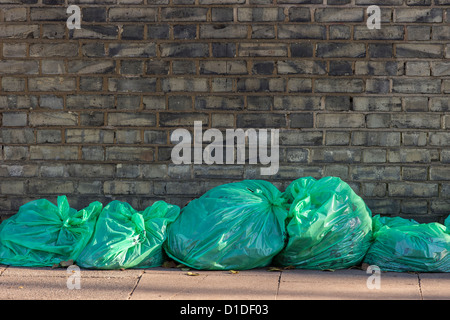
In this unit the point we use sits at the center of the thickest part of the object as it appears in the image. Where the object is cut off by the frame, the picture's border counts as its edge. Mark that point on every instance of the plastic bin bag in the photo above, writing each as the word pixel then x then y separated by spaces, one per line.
pixel 404 245
pixel 237 226
pixel 42 234
pixel 126 238
pixel 330 226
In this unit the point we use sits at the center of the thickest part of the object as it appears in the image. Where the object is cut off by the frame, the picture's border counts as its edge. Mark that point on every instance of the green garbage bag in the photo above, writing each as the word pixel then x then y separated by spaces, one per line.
pixel 42 234
pixel 238 226
pixel 405 245
pixel 330 226
pixel 126 238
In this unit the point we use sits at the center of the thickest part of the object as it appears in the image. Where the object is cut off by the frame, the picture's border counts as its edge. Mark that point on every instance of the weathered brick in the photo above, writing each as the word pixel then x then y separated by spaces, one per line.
pixel 13 84
pixel 261 120
pixel 127 187
pixel 410 156
pixel 418 15
pixel 340 120
pixel 339 15
pixel 301 67
pixel 16 31
pixel 168 119
pixel 441 32
pixel 222 14
pixel 41 187
pixel 341 50
pixel 262 50
pixel 409 50
pixel 375 173
pixel 417 68
pixel 185 84
pixel 339 85
pixel 132 84
pixel 185 50
pixel 130 153
pixel 416 120
pixel 258 84
pixel 132 50
pixel 132 14
pixel 374 155
pixel 413 189
pixel 184 14
pixel 223 31
pixel 131 119
pixel 439 104
pixel 14 50
pixel 17 136
pixel 89 136
pixel 441 68
pixel 45 152
pixel 18 67
pixel 49 136
pixel 385 33
pixel 261 14
pixel 292 31
pixel 416 85
pixel 91 66
pixel 298 103
pixel 376 138
pixel 379 68
pixel 262 31
pixel 51 84
pixel 95 32
pixel 223 67
pixel 14 119
pixel 219 102
pixel 37 119
pixel 48 14
pixel 336 155
pixel 15 14
pixel 419 32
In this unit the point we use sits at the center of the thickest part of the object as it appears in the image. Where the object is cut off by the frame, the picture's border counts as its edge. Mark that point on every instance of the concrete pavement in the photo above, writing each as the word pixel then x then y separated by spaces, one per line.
pixel 258 284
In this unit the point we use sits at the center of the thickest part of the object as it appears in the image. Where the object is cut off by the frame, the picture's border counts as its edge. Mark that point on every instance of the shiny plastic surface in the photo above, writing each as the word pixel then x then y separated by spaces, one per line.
pixel 233 226
pixel 42 234
pixel 126 238
pixel 330 226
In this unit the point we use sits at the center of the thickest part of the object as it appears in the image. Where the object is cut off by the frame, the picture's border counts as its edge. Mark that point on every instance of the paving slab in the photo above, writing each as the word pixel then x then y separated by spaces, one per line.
pixel 52 284
pixel 346 284
pixel 207 285
pixel 435 286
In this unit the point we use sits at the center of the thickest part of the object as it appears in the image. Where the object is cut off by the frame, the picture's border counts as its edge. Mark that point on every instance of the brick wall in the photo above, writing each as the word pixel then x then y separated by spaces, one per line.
pixel 88 113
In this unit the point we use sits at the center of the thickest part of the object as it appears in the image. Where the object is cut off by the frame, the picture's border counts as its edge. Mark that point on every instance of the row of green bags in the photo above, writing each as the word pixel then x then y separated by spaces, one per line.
pixel 314 224
pixel 116 236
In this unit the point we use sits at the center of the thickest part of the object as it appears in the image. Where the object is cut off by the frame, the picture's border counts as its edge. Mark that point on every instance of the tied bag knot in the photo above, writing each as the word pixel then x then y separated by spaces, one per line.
pixel 139 222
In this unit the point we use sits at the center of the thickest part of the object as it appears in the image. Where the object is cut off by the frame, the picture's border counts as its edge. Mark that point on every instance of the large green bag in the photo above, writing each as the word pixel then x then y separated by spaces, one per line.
pixel 237 226
pixel 127 238
pixel 405 245
pixel 330 226
pixel 42 234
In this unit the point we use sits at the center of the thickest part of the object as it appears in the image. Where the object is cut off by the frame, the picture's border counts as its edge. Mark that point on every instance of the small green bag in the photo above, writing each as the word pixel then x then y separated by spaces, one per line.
pixel 330 226
pixel 42 234
pixel 126 238
pixel 405 245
